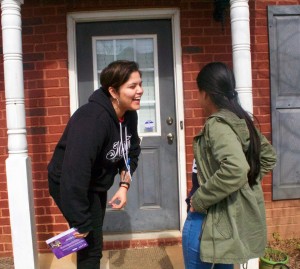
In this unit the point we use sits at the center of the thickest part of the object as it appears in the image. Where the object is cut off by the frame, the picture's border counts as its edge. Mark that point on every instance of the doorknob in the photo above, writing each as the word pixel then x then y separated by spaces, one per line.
pixel 170 137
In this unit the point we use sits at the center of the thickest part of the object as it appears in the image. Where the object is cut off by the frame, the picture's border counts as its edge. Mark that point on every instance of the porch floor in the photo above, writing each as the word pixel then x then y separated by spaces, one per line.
pixel 167 257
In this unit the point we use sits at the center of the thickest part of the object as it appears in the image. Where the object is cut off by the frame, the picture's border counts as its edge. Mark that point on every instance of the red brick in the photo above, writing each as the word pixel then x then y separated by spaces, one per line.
pixel 41 11
pixel 56 37
pixel 8 248
pixel 55 20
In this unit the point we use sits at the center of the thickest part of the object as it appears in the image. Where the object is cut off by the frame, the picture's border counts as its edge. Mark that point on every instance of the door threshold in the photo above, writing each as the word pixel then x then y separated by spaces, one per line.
pixel 142 236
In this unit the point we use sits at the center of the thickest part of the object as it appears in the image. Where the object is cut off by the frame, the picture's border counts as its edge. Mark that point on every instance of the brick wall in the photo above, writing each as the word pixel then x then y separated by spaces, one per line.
pixel 203 40
pixel 47 96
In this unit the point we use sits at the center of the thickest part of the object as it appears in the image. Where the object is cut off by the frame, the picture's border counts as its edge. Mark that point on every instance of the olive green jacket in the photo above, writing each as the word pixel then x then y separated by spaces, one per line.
pixel 235 227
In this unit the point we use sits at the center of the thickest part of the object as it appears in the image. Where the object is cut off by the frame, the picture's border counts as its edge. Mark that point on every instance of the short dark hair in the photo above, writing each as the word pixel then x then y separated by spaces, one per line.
pixel 116 74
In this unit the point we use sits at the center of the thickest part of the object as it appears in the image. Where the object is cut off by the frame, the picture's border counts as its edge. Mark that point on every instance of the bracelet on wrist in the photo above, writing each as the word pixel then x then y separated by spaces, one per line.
pixel 122 183
pixel 122 186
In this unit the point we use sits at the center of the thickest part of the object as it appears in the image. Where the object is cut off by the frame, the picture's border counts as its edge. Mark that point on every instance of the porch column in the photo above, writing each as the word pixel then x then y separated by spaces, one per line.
pixel 240 32
pixel 18 164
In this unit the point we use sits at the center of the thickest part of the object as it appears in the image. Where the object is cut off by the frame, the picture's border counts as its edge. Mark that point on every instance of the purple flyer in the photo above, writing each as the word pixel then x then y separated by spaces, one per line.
pixel 65 243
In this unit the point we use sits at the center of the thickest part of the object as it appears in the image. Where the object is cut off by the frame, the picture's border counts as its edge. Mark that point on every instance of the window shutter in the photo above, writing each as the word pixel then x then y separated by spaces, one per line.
pixel 284 42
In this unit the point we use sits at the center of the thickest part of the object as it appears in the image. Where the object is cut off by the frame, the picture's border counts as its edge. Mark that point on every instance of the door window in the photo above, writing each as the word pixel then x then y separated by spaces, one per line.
pixel 143 50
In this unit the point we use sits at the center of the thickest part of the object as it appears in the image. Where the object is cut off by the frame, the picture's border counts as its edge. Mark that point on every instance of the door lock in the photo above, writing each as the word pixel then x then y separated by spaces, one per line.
pixel 170 137
pixel 169 120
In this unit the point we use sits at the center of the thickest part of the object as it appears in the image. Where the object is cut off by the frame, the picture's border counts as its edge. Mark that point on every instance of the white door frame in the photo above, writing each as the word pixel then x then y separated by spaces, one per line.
pixel 136 14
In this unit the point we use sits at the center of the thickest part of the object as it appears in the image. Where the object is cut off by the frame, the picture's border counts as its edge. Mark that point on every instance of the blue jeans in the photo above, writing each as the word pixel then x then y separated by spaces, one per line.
pixel 191 244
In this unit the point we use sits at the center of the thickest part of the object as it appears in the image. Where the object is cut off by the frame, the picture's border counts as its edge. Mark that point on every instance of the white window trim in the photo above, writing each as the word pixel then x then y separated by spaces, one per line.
pixel 136 14
pixel 155 69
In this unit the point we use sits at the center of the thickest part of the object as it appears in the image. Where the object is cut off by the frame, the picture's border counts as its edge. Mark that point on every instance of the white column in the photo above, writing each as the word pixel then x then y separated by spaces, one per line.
pixel 18 164
pixel 240 31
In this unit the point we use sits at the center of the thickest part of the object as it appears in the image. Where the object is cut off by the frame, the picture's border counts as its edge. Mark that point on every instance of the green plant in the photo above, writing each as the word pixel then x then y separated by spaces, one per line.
pixel 275 255
pixel 291 247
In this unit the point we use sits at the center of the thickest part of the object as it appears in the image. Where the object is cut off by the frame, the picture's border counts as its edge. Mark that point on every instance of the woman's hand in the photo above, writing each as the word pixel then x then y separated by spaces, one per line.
pixel 119 200
pixel 79 235
pixel 191 207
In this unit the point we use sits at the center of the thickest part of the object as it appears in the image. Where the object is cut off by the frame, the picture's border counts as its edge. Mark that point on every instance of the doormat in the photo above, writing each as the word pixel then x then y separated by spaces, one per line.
pixel 152 258
pixel 7 263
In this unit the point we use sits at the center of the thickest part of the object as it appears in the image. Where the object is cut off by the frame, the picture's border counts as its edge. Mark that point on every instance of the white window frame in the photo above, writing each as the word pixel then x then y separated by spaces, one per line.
pixel 155 69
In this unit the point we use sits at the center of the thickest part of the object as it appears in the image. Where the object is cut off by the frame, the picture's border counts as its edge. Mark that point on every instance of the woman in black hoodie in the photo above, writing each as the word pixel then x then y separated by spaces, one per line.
pixel 99 141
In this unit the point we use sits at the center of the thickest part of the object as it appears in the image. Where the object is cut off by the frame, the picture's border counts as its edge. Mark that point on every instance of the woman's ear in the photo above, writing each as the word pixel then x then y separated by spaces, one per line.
pixel 205 96
pixel 113 92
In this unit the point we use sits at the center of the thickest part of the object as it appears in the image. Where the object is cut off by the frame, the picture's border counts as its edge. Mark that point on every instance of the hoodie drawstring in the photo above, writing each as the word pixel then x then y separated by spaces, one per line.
pixel 125 152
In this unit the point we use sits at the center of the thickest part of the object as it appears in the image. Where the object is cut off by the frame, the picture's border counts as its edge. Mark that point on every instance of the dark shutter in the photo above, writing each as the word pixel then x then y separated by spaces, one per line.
pixel 284 42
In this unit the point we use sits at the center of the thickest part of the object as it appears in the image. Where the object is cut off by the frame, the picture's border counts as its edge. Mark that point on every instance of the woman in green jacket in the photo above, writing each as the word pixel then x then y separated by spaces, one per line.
pixel 226 221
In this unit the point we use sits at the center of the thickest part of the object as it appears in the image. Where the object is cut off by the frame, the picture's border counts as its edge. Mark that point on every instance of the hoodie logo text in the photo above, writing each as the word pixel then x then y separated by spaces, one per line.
pixel 116 153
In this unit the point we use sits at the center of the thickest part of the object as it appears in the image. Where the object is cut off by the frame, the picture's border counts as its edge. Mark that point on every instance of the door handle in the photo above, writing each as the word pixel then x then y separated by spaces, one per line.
pixel 170 138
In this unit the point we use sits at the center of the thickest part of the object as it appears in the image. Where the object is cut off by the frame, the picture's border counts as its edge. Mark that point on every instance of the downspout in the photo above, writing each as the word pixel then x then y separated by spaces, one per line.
pixel 240 33
pixel 18 164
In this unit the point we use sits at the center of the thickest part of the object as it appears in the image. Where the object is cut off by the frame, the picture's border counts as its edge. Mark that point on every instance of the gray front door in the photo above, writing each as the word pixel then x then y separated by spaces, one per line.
pixel 153 203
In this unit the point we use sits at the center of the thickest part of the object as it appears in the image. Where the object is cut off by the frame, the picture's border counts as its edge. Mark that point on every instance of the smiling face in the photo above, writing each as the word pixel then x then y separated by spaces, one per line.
pixel 129 94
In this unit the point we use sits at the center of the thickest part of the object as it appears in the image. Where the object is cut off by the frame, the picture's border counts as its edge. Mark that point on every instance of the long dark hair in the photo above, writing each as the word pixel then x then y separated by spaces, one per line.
pixel 218 81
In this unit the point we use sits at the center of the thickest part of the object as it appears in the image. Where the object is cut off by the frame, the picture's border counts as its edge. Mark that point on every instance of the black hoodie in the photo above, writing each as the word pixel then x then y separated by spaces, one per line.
pixel 89 155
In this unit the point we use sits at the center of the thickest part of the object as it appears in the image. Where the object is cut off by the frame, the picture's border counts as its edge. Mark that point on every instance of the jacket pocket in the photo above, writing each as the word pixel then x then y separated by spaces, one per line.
pixel 222 222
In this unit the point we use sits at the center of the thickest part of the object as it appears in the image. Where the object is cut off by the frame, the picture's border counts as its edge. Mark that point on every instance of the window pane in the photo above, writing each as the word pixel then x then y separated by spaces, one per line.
pixel 105 53
pixel 147 118
pixel 144 53
pixel 148 86
pixel 124 49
